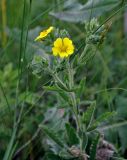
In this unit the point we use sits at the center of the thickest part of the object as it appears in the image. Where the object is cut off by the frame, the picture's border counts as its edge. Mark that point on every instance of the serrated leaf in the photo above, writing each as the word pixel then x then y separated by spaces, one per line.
pixel 52 88
pixel 105 116
pixel 94 147
pixel 122 134
pixel 28 97
pixel 51 156
pixel 84 141
pixel 71 134
pixel 57 89
pixel 65 155
pixel 121 105
pixel 88 114
pixel 100 119
pixel 54 136
pixel 81 87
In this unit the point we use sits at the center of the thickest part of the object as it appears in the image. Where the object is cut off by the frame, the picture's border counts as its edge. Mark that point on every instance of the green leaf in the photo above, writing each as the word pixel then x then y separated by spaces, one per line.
pixel 94 147
pixel 105 116
pixel 10 146
pixel 121 105
pixel 72 5
pixel 28 97
pixel 122 131
pixel 98 7
pixel 13 150
pixel 52 88
pixel 81 87
pixel 71 133
pixel 84 141
pixel 57 89
pixel 65 155
pixel 100 119
pixel 88 114
pixel 101 4
pixel 51 156
pixel 53 135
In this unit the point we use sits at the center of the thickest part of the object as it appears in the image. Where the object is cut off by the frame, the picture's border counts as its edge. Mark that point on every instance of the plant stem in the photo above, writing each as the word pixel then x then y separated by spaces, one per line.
pixel 11 146
pixel 110 17
pixel 6 99
pixel 84 52
pixel 59 81
pixel 4 21
pixel 74 107
pixel 72 94
pixel 27 143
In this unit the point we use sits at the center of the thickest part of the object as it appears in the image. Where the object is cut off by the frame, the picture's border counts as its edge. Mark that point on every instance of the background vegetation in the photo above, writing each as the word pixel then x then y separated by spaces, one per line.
pixel 24 103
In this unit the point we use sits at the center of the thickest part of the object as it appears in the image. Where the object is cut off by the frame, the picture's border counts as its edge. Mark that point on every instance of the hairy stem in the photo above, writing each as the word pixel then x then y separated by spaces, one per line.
pixel 72 94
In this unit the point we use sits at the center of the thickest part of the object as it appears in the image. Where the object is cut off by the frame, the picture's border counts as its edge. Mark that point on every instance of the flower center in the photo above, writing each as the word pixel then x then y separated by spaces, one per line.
pixel 63 48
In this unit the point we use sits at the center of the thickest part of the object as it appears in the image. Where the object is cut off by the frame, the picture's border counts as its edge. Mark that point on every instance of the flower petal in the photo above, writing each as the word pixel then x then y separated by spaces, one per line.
pixel 44 33
pixel 70 52
pixel 67 41
pixel 62 54
pixel 55 51
pixel 50 29
pixel 63 47
pixel 58 43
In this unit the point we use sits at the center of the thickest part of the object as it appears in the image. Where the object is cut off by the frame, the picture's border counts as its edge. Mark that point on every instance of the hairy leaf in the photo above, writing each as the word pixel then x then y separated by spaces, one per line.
pixel 51 134
pixel 51 156
pixel 57 89
pixel 81 87
pixel 94 147
pixel 71 133
pixel 88 115
pixel 100 119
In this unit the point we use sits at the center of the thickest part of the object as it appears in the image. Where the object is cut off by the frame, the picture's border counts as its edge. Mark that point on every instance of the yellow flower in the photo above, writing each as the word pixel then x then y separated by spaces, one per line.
pixel 44 33
pixel 63 47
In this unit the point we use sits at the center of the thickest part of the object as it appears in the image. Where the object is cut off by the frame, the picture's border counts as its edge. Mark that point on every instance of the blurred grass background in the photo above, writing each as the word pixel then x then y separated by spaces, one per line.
pixel 106 74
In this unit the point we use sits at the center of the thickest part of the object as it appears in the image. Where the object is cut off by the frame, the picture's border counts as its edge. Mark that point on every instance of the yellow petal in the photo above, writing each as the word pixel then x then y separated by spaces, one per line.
pixel 70 52
pixel 58 43
pixel 41 36
pixel 50 29
pixel 55 51
pixel 63 54
pixel 44 33
pixel 37 38
pixel 70 49
pixel 63 47
pixel 67 41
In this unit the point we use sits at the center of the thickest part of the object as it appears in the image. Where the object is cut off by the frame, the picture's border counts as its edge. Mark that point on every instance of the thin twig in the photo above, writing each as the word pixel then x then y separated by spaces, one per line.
pixel 27 143
pixel 109 89
pixel 2 89
pixel 113 126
